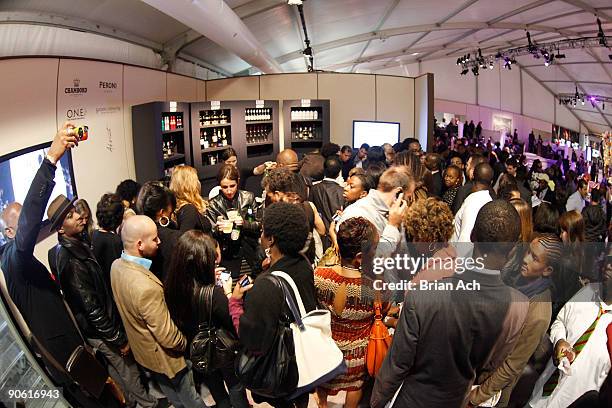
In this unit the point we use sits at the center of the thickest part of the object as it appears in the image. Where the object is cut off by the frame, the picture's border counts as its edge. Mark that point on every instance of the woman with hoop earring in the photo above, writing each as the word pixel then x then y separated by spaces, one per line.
pixel 158 203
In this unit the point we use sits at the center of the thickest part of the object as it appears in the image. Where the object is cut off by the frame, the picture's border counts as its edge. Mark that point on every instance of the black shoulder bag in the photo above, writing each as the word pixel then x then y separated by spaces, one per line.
pixel 273 374
pixel 211 348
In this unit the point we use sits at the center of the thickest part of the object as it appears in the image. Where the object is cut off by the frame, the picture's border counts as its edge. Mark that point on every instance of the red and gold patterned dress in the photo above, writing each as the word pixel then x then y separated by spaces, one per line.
pixel 351 328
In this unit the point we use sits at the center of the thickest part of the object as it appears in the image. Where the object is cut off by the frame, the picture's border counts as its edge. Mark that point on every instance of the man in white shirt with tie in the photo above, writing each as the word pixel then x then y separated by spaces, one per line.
pixel 579 335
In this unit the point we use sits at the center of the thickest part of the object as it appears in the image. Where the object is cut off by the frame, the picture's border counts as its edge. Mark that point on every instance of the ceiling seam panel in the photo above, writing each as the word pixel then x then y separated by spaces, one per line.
pixel 497 20
pixel 587 8
pixel 417 29
pixel 570 76
pixel 382 21
pixel 535 78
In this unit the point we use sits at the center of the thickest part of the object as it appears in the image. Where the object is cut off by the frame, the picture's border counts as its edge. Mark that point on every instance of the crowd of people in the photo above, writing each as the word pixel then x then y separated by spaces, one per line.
pixel 129 280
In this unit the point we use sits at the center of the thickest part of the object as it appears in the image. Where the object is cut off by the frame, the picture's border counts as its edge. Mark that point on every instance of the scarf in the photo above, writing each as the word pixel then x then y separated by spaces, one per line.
pixel 532 288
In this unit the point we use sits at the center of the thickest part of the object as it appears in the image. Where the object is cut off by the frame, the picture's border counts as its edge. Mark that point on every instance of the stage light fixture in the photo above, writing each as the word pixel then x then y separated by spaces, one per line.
pixel 475 71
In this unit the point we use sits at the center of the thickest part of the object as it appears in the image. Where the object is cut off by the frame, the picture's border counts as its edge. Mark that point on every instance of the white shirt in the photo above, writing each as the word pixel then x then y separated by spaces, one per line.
pixel 466 216
pixel 590 369
pixel 575 202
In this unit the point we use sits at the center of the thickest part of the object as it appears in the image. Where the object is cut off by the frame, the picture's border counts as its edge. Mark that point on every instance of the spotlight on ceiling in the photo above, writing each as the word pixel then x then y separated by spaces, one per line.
pixel 475 71
pixel 491 64
pixel 465 71
pixel 459 61
pixel 414 54
pixel 294 2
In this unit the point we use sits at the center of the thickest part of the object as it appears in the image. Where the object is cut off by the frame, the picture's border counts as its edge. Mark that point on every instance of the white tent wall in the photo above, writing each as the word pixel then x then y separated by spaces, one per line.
pixel 22 39
pixel 35 105
pixel 511 93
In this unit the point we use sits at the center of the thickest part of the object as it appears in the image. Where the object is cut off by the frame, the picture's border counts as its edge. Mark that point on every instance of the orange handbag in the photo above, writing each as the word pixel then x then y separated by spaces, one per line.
pixel 379 343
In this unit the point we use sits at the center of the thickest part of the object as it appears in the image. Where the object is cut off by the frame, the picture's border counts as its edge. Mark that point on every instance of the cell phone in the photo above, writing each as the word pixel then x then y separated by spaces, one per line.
pixel 82 133
pixel 246 281
pixel 336 217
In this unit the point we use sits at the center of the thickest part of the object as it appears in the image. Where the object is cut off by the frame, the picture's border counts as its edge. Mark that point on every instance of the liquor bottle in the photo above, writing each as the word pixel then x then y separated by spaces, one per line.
pixel 236 232
pixel 164 150
pixel 212 159
pixel 250 216
pixel 166 123
pixel 316 114
pixel 215 139
pixel 224 138
pixel 179 121
pixel 163 125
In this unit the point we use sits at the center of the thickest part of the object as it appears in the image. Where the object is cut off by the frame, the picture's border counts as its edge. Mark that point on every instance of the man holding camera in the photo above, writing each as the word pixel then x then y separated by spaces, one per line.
pixel 29 283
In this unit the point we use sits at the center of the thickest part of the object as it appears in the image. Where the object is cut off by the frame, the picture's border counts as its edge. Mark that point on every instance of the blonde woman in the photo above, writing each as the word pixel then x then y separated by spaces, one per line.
pixel 190 207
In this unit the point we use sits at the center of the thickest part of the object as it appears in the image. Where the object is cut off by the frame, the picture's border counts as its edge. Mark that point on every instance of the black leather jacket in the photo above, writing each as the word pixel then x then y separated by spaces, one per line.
pixel 87 293
pixel 243 200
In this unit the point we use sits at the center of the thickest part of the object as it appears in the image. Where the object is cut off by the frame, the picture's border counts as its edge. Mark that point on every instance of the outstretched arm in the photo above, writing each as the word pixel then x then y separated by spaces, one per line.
pixel 40 191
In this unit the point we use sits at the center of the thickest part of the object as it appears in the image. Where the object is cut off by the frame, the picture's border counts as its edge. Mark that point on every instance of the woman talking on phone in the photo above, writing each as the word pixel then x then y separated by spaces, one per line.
pixel 232 215
pixel 257 317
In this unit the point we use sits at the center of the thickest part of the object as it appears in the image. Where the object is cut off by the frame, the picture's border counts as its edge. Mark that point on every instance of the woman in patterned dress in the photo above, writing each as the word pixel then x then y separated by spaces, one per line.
pixel 349 296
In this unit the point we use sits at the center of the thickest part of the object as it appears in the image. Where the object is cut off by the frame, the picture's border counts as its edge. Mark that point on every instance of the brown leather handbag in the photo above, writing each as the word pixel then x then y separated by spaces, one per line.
pixel 379 343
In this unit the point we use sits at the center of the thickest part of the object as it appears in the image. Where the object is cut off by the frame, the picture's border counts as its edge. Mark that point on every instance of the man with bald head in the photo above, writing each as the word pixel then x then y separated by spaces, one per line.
pixel 9 219
pixel 289 158
pixel 466 216
pixel 155 341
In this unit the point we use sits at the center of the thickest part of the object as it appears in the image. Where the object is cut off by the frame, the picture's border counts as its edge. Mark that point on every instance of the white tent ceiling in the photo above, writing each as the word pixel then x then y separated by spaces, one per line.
pixel 359 35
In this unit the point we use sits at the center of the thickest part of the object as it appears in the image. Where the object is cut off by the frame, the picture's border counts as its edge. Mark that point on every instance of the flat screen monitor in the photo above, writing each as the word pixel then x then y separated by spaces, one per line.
pixel 375 133
pixel 17 170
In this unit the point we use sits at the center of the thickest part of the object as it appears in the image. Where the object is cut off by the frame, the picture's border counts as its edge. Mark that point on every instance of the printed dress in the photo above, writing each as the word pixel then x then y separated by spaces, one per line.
pixel 351 328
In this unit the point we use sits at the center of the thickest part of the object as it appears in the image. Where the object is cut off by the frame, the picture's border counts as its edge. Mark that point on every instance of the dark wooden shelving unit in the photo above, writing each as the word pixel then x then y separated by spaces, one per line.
pixel 263 133
pixel 151 139
pixel 306 124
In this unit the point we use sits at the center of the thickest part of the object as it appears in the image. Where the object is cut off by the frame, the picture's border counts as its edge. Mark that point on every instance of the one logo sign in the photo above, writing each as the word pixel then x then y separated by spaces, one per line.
pixel 76 113
pixel 76 89
pixel 215 105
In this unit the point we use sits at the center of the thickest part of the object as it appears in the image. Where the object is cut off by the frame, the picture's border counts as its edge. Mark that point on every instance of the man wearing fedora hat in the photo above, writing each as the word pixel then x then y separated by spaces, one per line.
pixel 89 297
pixel 29 283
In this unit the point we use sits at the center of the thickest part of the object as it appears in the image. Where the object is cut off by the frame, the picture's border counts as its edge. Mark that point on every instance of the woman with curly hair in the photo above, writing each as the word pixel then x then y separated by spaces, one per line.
pixel 190 207
pixel 343 290
pixel 429 225
pixel 106 243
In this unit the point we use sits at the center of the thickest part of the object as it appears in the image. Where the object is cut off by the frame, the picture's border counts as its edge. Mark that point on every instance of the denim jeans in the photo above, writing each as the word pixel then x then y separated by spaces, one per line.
pixel 180 390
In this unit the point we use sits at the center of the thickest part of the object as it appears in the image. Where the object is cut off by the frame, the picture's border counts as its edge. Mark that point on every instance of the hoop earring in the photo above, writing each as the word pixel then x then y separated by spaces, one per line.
pixel 432 247
pixel 164 223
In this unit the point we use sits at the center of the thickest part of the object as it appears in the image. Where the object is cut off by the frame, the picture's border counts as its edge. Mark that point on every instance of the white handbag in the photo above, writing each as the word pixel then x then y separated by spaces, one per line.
pixel 319 360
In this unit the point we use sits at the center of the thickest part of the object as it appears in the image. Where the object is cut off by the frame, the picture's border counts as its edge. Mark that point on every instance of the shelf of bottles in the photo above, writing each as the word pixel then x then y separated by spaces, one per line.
pixel 258 115
pixel 259 126
pixel 306 124
pixel 215 134
pixel 171 122
pixel 173 144
pixel 307 114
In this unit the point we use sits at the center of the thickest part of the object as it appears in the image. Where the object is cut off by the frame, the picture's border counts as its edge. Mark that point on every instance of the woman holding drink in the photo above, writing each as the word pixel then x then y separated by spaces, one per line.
pixel 232 215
